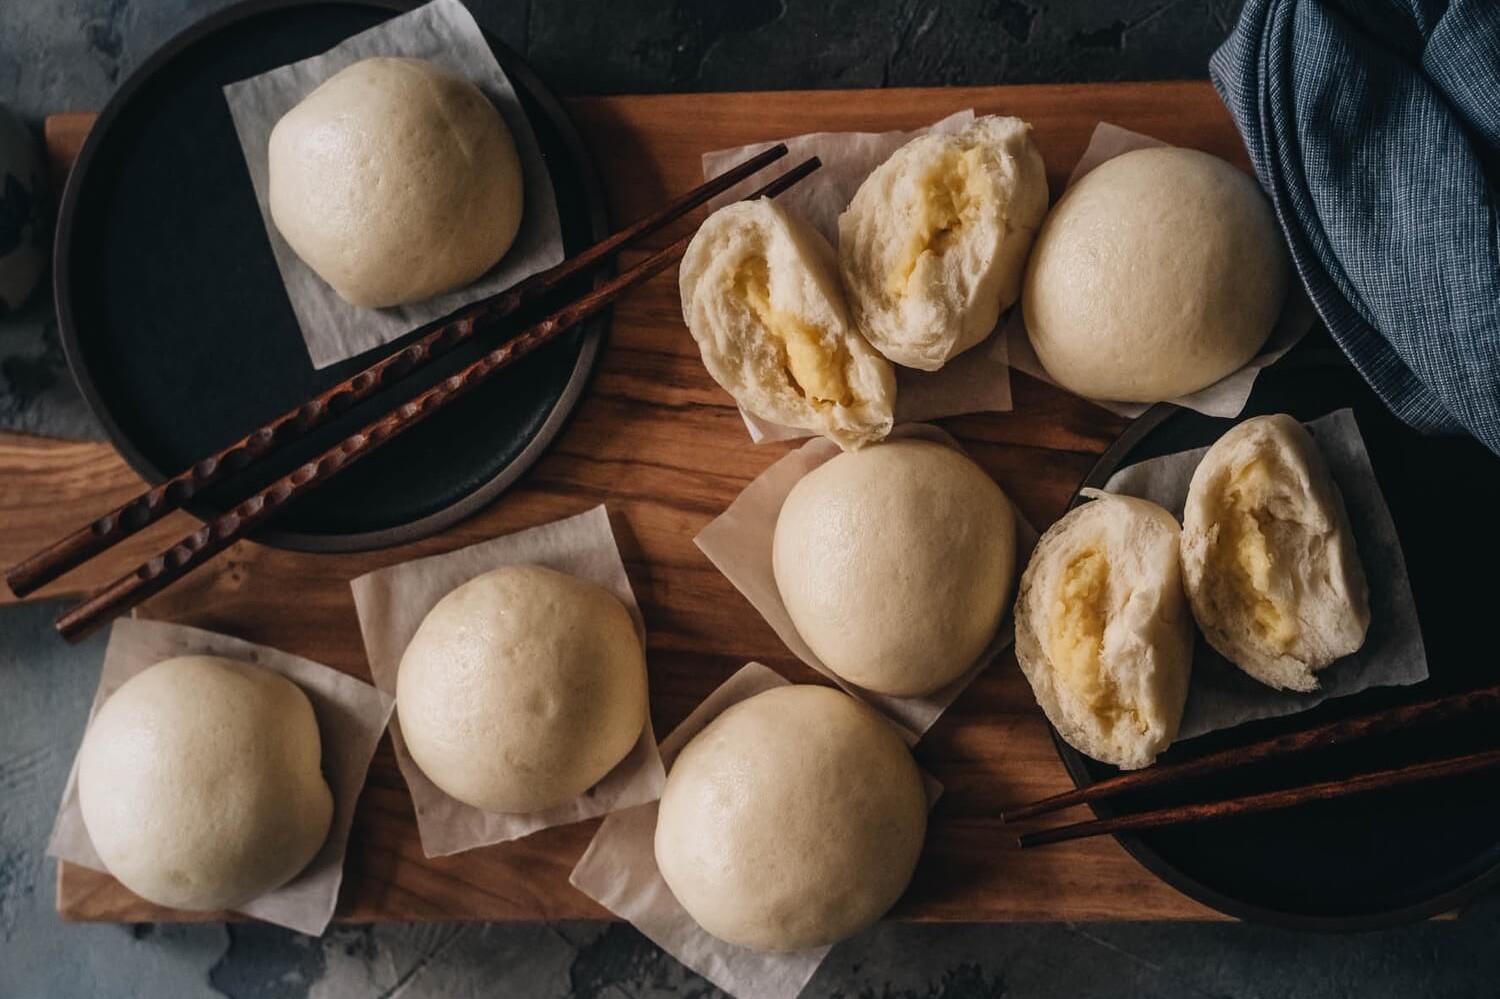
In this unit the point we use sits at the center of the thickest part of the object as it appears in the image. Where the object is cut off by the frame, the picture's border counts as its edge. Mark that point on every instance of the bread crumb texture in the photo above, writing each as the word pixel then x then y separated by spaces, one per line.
pixel 1245 559
pixel 953 193
pixel 1076 626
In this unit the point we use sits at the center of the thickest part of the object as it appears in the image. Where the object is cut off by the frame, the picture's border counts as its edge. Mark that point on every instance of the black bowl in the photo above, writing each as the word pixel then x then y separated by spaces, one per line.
pixel 178 329
pixel 1371 860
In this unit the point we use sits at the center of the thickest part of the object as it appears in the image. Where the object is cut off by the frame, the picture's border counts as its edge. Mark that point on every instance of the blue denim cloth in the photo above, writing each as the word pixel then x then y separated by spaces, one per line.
pixel 1374 125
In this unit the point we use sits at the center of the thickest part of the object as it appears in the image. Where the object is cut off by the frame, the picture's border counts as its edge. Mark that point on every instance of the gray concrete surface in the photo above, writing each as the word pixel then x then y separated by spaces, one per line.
pixel 70 54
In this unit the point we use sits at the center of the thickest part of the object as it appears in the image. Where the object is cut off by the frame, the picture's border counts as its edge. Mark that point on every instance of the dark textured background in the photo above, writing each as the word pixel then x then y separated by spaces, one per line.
pixel 69 54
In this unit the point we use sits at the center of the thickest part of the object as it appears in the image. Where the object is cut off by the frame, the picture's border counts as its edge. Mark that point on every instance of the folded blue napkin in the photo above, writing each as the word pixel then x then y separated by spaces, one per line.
pixel 1374 126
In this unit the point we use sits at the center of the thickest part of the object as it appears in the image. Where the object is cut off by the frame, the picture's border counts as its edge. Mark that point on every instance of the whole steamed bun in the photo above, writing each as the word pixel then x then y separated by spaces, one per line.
pixel 933 243
pixel 761 296
pixel 1156 275
pixel 793 820
pixel 201 785
pixel 895 564
pixel 522 689
pixel 395 182
pixel 1268 556
pixel 1103 631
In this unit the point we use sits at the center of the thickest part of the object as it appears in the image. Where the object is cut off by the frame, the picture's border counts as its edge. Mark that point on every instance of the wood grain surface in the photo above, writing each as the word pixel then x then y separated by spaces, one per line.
pixel 658 442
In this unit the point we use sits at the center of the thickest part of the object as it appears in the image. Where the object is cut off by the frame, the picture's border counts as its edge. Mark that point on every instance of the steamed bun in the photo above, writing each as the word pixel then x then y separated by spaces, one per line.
pixel 395 182
pixel 793 820
pixel 761 296
pixel 1156 275
pixel 1103 631
pixel 201 785
pixel 934 241
pixel 895 564
pixel 522 689
pixel 1268 557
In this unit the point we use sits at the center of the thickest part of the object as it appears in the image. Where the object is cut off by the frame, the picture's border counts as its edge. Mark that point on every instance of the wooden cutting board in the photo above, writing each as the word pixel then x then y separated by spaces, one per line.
pixel 658 442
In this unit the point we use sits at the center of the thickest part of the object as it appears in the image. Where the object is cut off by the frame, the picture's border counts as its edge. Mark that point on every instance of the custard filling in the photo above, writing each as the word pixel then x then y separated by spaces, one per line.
pixel 818 373
pixel 952 194
pixel 1079 616
pixel 1243 555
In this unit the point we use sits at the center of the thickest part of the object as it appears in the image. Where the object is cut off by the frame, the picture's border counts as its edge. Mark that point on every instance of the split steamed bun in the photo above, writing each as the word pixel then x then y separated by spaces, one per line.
pixel 934 241
pixel 895 564
pixel 201 785
pixel 522 689
pixel 761 296
pixel 1157 274
pixel 395 182
pixel 1268 557
pixel 1103 631
pixel 793 820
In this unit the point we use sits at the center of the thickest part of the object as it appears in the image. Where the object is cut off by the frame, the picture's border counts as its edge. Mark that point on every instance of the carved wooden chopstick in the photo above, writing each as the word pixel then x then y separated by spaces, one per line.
pixel 1269 800
pixel 221 532
pixel 1335 733
pixel 77 548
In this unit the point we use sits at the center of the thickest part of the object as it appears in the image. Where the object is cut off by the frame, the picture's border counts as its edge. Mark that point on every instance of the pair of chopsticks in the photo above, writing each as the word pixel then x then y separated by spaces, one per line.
pixel 213 537
pixel 1337 733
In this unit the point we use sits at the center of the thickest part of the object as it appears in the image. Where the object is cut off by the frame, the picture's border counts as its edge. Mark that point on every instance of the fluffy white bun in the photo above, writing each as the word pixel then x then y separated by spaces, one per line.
pixel 1157 274
pixel 395 182
pixel 522 688
pixel 761 296
pixel 793 820
pixel 1268 557
pixel 201 783
pixel 1103 631
pixel 896 564
pixel 933 244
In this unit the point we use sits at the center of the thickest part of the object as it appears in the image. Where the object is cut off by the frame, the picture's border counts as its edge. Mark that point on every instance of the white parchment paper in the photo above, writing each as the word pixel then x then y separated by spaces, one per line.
pixel 351 717
pixel 445 33
pixel 618 870
pixel 1225 397
pixel 978 380
pixel 1221 695
pixel 391 604
pixel 738 543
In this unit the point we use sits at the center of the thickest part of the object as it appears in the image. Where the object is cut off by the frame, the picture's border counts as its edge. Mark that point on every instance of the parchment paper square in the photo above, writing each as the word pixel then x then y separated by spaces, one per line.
pixel 1225 397
pixel 445 33
pixel 351 717
pixel 391 604
pixel 1221 695
pixel 738 543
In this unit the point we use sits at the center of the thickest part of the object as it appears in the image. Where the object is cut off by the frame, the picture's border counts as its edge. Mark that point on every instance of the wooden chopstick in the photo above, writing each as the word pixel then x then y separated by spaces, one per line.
pixel 39 569
pixel 218 534
pixel 1320 737
pixel 1269 800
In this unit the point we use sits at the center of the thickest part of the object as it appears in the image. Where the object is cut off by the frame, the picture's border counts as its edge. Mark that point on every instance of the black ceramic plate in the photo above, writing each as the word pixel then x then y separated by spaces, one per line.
pixel 179 332
pixel 1382 858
